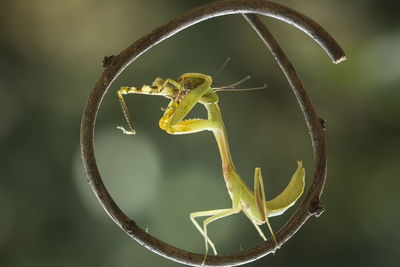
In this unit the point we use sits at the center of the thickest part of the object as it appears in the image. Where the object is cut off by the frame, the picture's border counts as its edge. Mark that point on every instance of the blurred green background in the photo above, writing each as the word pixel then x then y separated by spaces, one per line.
pixel 51 54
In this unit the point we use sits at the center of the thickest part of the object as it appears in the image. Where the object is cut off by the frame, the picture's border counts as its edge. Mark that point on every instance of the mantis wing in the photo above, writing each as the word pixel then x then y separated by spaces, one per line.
pixel 289 195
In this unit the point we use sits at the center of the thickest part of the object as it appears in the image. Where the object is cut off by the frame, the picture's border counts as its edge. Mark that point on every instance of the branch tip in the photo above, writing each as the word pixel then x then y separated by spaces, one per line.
pixel 339 60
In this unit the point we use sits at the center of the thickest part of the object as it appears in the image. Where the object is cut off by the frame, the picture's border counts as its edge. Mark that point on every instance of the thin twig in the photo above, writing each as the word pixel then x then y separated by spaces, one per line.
pixel 114 65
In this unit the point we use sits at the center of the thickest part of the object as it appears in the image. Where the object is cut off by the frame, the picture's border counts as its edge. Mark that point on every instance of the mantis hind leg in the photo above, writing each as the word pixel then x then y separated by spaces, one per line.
pixel 194 215
pixel 215 215
pixel 261 204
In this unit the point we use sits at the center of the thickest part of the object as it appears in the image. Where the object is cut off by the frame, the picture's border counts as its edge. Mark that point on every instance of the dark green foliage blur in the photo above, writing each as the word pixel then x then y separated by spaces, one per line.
pixel 50 58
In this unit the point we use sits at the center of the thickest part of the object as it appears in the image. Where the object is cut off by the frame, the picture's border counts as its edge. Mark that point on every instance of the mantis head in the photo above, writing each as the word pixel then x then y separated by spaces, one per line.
pixel 189 82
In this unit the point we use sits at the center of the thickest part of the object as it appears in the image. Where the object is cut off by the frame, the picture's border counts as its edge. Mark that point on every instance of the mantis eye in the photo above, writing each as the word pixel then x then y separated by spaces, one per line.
pixel 189 83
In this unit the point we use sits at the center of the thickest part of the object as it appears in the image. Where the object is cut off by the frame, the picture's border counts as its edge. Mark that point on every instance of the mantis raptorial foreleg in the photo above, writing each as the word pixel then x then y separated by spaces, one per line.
pixel 193 88
pixel 191 126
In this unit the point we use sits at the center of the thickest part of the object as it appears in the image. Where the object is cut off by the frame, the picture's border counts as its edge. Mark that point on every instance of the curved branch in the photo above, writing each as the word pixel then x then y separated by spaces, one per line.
pixel 114 65
pixel 312 204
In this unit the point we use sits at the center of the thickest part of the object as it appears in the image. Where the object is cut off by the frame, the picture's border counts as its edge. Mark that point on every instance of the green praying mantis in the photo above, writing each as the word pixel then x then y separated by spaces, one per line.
pixel 193 88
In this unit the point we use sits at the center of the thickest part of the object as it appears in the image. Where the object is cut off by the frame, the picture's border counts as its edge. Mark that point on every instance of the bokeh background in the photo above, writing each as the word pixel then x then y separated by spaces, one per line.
pixel 51 54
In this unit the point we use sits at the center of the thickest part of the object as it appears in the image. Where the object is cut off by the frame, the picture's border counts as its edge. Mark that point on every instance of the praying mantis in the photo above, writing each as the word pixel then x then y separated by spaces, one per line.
pixel 193 88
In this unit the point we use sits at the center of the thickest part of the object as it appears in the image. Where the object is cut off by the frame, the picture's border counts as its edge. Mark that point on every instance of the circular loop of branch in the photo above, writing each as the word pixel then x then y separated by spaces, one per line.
pixel 114 65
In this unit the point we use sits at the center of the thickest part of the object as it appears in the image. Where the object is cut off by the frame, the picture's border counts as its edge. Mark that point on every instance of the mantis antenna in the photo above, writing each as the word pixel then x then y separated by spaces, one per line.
pixel 232 87
pixel 221 68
